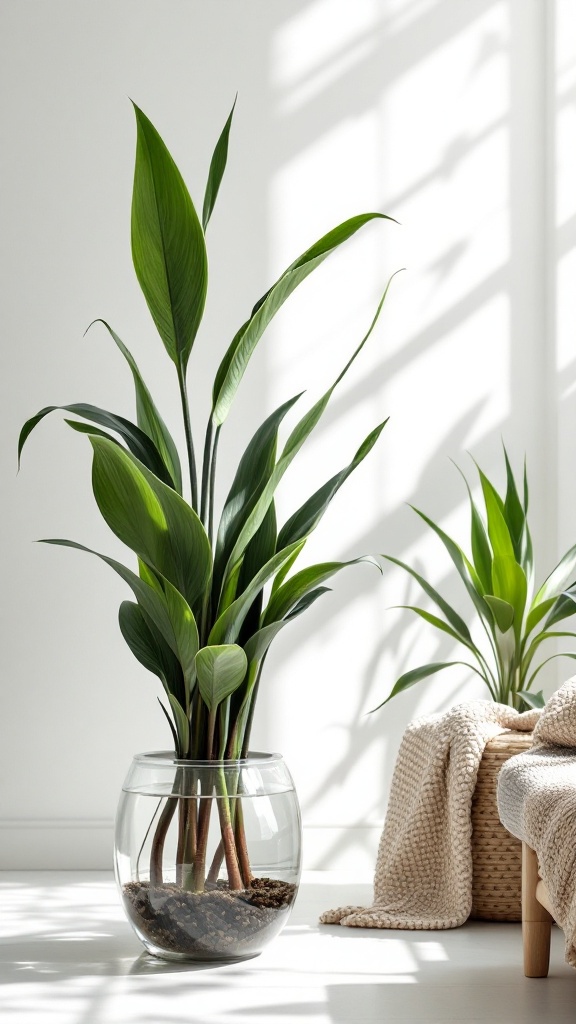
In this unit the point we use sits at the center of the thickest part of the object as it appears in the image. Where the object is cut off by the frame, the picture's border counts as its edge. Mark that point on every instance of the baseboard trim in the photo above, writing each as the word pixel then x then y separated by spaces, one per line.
pixel 68 844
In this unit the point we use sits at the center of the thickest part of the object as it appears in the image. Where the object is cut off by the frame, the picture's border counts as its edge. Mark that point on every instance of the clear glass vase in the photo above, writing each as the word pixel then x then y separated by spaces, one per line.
pixel 207 854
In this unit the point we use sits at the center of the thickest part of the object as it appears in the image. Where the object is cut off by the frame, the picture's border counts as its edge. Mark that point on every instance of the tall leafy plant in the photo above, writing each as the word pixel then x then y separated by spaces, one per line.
pixel 513 616
pixel 208 597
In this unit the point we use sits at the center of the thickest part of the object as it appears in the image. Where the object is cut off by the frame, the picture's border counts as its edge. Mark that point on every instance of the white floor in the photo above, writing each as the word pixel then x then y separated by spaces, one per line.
pixel 67 956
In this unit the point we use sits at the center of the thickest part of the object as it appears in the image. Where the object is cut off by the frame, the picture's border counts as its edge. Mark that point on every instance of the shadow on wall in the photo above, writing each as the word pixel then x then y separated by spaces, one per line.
pixel 477 269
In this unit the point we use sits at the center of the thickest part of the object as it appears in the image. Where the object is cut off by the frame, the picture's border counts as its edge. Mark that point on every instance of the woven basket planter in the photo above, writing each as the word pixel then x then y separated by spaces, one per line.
pixel 496 855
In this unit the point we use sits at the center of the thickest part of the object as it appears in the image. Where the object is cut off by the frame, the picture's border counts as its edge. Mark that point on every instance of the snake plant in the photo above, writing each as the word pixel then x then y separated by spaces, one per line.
pixel 210 593
pixel 512 616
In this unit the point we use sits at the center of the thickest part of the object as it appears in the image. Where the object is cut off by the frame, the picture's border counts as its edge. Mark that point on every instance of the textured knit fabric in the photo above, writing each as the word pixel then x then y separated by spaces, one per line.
pixel 423 877
pixel 537 803
pixel 557 724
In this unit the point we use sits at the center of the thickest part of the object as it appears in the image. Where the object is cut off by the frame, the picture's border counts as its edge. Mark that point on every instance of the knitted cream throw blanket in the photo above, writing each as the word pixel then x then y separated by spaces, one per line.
pixel 545 817
pixel 423 876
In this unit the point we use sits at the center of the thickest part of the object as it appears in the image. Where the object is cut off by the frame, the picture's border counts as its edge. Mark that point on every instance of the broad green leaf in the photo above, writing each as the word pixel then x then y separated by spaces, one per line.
pixel 510 585
pixel 168 247
pixel 227 626
pixel 295 589
pixel 498 532
pixel 147 416
pixel 258 553
pixel 256 647
pixel 293 445
pixel 260 641
pixel 305 602
pixel 182 726
pixel 89 428
pixel 150 649
pixel 534 700
pixel 254 470
pixel 503 612
pixel 453 618
pixel 283 572
pixel 217 168
pixel 513 509
pixel 236 359
pixel 166 608
pixel 306 518
pixel 221 670
pixel 137 441
pixel 563 608
pixel 559 579
pixel 137 635
pixel 417 674
pixel 151 519
pixel 537 613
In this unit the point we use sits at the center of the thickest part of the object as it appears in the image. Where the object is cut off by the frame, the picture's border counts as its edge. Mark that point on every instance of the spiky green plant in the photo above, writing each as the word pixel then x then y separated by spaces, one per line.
pixel 203 617
pixel 499 578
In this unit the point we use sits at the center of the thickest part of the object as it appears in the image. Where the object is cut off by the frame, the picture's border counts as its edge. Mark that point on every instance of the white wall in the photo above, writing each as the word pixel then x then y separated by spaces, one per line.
pixel 455 118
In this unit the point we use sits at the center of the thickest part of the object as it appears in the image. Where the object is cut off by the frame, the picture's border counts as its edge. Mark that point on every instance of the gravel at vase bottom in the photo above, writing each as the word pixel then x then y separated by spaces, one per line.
pixel 218 923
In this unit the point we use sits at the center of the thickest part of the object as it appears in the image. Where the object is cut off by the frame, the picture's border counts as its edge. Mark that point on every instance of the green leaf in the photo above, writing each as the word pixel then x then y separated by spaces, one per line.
pixel 217 168
pixel 305 602
pixel 150 649
pixel 562 654
pixel 466 570
pixel 562 608
pixel 260 641
pixel 168 247
pixel 172 729
pixel 510 585
pixel 295 589
pixel 503 612
pixel 540 638
pixel 147 416
pixel 306 518
pixel 221 670
pixel 534 700
pixel 89 428
pixel 498 531
pixel 481 551
pixel 434 620
pixel 137 441
pixel 301 432
pixel 453 618
pixel 236 359
pixel 227 626
pixel 254 470
pixel 260 550
pixel 513 510
pixel 559 579
pixel 151 519
pixel 182 726
pixel 537 613
pixel 166 608
pixel 283 572
pixel 416 675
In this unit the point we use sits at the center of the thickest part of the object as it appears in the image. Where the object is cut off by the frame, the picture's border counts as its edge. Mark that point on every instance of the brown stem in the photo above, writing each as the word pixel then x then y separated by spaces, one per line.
pixel 216 864
pixel 187 827
pixel 232 866
pixel 242 846
pixel 199 866
pixel 159 840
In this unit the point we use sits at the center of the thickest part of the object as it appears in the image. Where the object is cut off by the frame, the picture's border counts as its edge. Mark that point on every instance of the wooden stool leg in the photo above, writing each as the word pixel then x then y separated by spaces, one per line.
pixel 536 921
